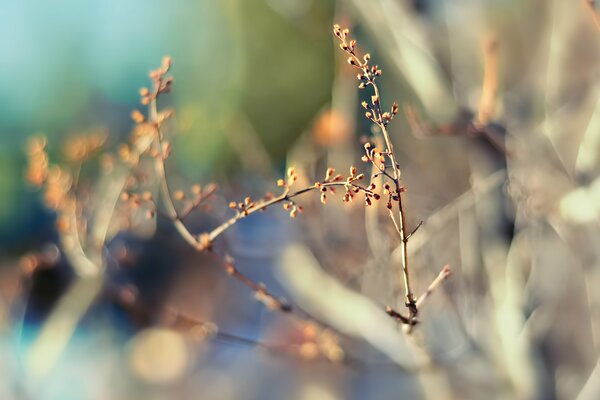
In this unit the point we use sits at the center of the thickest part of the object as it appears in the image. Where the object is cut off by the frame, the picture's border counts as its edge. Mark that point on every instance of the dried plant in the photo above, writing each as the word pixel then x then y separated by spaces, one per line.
pixel 85 227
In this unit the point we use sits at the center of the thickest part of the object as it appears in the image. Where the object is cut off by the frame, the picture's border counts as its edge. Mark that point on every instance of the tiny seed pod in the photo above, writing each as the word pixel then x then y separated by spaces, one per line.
pixel 329 173
pixel 323 198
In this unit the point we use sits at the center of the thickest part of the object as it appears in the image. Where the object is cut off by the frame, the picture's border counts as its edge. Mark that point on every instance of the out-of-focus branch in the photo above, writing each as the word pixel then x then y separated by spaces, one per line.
pixel 590 5
pixel 489 90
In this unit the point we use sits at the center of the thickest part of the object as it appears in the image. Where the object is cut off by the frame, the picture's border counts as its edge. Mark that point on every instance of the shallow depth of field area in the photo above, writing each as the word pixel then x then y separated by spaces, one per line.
pixel 300 199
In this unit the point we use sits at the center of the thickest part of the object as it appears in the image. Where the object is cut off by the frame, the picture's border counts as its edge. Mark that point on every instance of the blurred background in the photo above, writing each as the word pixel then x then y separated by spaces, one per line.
pixel 497 138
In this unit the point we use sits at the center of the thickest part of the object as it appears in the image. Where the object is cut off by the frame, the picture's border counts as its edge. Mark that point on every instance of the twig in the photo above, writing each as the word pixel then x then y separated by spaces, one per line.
pixel 367 76
pixel 489 90
pixel 442 276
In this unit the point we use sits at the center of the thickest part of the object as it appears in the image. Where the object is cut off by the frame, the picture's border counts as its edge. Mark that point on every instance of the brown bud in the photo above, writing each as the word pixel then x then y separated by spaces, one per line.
pixel 323 198
pixel 329 173
pixel 137 116
pixel 166 63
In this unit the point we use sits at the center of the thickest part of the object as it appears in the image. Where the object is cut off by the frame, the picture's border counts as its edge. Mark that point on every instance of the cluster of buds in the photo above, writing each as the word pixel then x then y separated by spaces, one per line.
pixel 127 155
pixel 393 194
pixel 291 178
pixel 293 208
pixel 57 181
pixel 160 82
pixel 37 161
pixel 351 188
pixel 373 111
pixel 330 177
pixel 367 76
pixel 81 147
pixel 58 194
pixel 319 342
pixel 144 129
pixel 375 156
pixel 243 207
pixel 162 116
pixel 136 201
pixel 368 73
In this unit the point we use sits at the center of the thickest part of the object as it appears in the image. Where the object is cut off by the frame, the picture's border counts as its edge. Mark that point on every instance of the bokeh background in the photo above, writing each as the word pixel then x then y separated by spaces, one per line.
pixel 498 141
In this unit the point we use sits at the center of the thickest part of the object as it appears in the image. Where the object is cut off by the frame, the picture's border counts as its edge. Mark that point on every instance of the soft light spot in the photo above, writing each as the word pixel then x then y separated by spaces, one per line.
pixel 158 356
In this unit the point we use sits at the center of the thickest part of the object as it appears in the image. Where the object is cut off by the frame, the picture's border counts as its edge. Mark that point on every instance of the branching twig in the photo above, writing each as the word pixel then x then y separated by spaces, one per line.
pixel 367 77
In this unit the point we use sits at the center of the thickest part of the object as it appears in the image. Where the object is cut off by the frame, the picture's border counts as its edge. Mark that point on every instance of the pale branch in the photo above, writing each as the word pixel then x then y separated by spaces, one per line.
pixel 439 279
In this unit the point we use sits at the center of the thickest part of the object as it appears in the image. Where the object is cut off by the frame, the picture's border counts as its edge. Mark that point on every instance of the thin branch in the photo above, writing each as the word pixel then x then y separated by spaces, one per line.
pixel 415 230
pixel 367 77
pixel 442 276
pixel 489 90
